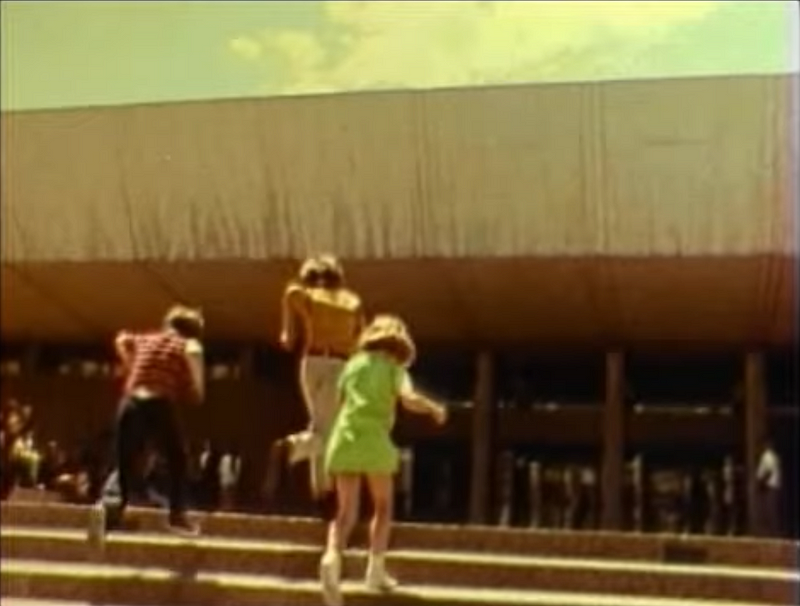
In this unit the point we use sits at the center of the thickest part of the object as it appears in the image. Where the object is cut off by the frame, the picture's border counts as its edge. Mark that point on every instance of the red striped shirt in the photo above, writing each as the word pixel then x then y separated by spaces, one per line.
pixel 159 365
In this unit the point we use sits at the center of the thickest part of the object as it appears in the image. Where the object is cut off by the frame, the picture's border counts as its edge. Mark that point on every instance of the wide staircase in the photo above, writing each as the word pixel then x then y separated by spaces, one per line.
pixel 242 560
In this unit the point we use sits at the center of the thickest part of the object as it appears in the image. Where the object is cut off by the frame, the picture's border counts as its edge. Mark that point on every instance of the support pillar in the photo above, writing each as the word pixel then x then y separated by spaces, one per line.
pixel 613 441
pixel 247 359
pixel 31 355
pixel 482 417
pixel 755 429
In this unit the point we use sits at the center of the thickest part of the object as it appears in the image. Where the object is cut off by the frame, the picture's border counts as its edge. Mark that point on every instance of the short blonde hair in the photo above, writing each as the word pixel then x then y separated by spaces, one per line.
pixel 310 270
pixel 332 265
pixel 186 321
pixel 320 266
pixel 389 334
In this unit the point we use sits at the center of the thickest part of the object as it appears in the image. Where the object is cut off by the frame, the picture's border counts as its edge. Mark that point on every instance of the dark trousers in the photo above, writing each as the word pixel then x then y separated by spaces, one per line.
pixel 769 512
pixel 143 493
pixel 150 421
pixel 7 476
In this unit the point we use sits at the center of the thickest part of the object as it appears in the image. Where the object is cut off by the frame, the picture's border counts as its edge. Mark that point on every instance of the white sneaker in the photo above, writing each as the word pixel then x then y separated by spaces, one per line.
pixel 181 526
pixel 303 446
pixel 377 579
pixel 330 575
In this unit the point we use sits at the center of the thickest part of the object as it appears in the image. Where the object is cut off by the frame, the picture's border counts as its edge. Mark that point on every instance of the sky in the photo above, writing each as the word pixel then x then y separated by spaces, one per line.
pixel 68 54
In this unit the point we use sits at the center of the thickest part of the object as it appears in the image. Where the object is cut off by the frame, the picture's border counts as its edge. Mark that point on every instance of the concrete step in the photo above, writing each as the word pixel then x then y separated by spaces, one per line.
pixel 34 495
pixel 35 602
pixel 591 545
pixel 137 586
pixel 416 567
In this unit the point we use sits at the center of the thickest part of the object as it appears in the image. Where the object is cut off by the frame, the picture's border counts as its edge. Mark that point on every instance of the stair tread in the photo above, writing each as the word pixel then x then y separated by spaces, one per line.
pixel 96 571
pixel 9 601
pixel 432 528
pixel 465 557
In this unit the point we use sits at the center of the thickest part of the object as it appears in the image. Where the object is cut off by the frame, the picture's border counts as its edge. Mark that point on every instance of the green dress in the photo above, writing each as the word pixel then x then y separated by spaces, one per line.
pixel 360 441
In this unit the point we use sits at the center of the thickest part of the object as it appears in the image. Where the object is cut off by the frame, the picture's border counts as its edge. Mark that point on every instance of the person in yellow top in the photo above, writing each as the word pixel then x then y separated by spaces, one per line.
pixel 374 380
pixel 321 320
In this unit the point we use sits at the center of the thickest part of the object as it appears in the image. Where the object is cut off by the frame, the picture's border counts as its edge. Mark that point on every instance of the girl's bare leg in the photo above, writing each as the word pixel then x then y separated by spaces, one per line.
pixel 348 489
pixel 348 493
pixel 381 489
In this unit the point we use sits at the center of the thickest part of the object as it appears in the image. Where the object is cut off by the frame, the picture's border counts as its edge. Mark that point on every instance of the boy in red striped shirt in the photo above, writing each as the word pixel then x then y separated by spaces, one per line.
pixel 164 368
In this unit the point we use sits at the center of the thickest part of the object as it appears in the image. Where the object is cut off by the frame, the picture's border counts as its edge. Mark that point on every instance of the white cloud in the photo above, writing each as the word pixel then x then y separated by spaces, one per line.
pixel 246 47
pixel 430 44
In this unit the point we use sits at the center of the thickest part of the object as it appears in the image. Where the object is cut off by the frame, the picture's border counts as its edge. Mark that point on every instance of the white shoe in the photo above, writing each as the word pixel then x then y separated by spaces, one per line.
pixel 330 575
pixel 377 579
pixel 181 526
pixel 303 446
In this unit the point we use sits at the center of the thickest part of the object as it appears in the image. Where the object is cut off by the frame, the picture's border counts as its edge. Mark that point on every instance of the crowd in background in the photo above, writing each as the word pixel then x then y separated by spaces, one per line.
pixel 694 496
pixel 80 473
pixel 706 499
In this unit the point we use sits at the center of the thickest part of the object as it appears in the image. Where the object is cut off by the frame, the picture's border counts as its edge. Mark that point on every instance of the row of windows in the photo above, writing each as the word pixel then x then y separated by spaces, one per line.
pixel 536 381
pixel 520 380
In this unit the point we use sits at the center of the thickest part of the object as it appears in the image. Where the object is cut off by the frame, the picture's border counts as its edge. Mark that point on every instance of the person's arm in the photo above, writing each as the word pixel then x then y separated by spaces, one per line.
pixel 290 317
pixel 361 320
pixel 125 347
pixel 413 401
pixel 195 362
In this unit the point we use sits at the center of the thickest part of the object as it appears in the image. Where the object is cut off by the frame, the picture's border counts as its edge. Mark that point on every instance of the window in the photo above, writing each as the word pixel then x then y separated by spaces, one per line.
pixel 530 380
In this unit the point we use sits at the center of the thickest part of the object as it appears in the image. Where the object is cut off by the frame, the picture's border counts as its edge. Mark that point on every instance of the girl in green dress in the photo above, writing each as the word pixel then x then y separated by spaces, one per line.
pixel 371 385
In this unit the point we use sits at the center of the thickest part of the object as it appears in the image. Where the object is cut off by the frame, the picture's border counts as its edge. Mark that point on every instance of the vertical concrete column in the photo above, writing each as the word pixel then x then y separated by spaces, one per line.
pixel 31 355
pixel 755 426
pixel 482 430
pixel 613 441
pixel 247 360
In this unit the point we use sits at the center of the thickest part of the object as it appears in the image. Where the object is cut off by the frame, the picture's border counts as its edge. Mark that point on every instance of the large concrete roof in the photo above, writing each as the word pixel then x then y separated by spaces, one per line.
pixel 614 212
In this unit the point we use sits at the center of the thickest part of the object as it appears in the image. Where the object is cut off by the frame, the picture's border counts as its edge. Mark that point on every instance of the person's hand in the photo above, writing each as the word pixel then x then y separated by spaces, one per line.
pixel 284 340
pixel 440 415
